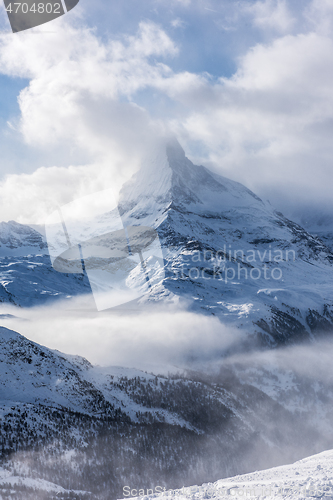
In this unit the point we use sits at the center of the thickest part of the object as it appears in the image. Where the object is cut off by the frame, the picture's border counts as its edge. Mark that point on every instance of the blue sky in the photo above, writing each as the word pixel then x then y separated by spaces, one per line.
pixel 246 86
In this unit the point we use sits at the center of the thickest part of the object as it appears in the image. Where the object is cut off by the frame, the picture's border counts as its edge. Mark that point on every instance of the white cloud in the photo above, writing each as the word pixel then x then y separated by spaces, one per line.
pixel 30 198
pixel 268 126
pixel 152 339
pixel 272 14
pixel 178 23
pixel 79 98
pixel 71 71
pixel 319 14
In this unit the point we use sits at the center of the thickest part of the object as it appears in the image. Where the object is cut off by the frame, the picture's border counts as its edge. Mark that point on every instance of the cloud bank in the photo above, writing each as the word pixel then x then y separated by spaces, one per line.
pixel 155 339
pixel 105 99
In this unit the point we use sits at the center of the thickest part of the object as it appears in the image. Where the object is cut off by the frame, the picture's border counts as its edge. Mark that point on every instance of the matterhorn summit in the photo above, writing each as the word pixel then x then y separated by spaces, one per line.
pixel 228 253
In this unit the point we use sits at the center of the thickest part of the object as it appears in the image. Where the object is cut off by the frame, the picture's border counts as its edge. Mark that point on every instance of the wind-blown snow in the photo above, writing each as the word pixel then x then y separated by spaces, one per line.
pixel 307 478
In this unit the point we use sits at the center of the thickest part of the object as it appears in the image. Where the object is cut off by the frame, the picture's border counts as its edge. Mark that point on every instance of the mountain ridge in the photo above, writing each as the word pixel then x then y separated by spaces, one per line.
pixel 226 253
pixel 93 429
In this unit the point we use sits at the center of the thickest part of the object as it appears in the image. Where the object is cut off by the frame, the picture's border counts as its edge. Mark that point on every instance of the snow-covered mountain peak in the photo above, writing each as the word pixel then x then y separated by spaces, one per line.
pixel 19 239
pixel 226 250
pixel 190 182
pixel 168 179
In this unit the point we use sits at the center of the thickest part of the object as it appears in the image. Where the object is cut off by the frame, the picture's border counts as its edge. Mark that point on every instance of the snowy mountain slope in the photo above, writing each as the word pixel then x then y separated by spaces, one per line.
pixel 31 374
pixel 307 478
pixel 318 222
pixel 304 393
pixel 20 240
pixel 26 488
pixel 31 280
pixel 26 275
pixel 55 406
pixel 229 253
